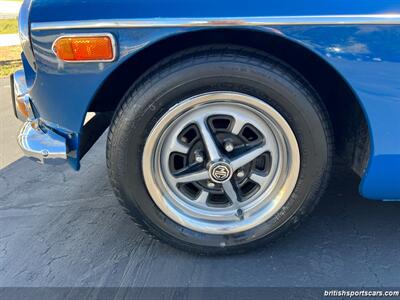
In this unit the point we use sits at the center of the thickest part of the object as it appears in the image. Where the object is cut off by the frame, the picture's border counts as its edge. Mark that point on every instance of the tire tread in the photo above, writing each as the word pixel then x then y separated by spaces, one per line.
pixel 233 53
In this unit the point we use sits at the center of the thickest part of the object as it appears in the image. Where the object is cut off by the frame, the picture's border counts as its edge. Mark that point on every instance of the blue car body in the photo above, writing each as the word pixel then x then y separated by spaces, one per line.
pixel 358 40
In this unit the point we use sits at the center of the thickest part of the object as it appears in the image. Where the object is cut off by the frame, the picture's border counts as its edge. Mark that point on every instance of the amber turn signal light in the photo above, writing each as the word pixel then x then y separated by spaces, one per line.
pixel 85 48
pixel 21 108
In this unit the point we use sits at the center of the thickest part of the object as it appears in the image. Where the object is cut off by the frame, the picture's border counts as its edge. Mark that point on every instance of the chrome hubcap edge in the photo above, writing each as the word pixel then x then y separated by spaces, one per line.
pixel 220 169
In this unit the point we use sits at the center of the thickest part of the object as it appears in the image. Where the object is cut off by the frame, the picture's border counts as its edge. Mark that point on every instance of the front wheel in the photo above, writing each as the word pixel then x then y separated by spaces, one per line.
pixel 219 149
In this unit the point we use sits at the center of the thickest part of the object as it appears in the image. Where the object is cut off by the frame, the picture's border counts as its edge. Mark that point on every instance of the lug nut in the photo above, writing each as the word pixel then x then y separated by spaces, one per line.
pixel 240 174
pixel 210 184
pixel 228 147
pixel 198 157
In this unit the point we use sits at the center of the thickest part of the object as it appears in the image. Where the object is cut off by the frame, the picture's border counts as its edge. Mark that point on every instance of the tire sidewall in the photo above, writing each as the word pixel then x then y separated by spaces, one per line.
pixel 147 102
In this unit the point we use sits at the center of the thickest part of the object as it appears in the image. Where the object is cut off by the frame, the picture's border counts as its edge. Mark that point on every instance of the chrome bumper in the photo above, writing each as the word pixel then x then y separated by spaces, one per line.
pixel 36 140
pixel 42 144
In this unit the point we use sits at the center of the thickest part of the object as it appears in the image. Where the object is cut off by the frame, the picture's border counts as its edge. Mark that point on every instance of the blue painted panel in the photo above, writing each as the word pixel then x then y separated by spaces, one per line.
pixel 367 57
pixel 55 10
pixel 65 90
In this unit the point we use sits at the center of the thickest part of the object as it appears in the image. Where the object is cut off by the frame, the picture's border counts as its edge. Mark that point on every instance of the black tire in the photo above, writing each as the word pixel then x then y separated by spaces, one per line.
pixel 205 69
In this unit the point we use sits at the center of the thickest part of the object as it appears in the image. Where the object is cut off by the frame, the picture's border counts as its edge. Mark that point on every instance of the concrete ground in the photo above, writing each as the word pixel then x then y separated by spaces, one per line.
pixel 62 228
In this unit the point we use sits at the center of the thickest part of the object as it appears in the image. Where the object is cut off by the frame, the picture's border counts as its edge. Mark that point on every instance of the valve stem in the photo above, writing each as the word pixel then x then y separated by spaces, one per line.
pixel 239 214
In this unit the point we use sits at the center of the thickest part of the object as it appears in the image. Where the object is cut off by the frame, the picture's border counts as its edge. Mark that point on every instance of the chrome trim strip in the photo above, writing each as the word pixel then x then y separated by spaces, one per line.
pixel 113 45
pixel 374 19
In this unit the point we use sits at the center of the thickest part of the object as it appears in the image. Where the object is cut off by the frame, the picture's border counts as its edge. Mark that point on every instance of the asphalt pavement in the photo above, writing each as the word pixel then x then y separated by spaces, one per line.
pixel 61 228
pixel 9 126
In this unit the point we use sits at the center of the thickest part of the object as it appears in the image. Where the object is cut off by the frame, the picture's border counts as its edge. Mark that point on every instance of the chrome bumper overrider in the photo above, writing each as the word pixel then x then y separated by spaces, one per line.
pixel 42 144
pixel 37 141
pixel 20 97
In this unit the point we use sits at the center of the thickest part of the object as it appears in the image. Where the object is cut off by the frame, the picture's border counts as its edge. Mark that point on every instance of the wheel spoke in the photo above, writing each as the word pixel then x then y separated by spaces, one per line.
pixel 257 178
pixel 177 146
pixel 231 193
pixel 190 177
pixel 221 162
pixel 202 198
pixel 239 122
pixel 238 125
pixel 209 141
pixel 249 156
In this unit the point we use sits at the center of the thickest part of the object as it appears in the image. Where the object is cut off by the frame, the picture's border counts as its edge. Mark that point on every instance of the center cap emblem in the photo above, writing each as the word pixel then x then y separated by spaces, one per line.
pixel 220 172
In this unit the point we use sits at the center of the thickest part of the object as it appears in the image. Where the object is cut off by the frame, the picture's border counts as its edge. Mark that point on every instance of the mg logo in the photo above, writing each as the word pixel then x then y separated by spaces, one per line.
pixel 220 172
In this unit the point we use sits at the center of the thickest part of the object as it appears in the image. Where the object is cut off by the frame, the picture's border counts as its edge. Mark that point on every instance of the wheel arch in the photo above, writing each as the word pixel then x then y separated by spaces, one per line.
pixel 352 138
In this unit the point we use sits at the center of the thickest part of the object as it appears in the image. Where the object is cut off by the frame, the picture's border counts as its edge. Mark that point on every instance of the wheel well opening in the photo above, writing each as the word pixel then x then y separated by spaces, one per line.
pixel 348 121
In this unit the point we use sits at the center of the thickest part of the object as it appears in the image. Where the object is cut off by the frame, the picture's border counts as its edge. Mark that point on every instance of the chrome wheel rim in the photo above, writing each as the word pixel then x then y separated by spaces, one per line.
pixel 221 162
